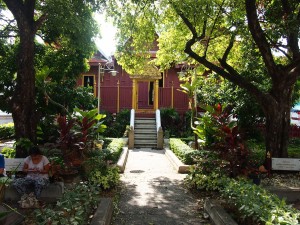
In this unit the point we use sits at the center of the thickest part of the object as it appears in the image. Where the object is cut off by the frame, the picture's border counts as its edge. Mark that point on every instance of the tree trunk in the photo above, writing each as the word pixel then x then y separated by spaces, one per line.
pixel 23 100
pixel 277 131
pixel 278 123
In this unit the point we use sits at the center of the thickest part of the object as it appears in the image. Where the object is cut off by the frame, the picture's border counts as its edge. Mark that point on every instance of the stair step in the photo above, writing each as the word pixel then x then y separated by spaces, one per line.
pixel 145 134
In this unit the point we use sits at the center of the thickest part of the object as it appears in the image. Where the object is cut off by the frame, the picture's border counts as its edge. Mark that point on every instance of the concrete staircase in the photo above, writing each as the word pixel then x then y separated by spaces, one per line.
pixel 145 135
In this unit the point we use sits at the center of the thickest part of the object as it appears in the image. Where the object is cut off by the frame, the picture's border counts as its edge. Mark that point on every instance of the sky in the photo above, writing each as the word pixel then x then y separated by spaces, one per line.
pixel 107 43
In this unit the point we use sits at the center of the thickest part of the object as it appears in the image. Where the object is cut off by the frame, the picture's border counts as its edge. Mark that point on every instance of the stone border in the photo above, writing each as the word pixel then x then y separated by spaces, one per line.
pixel 217 214
pixel 289 194
pixel 103 214
pixel 123 159
pixel 178 165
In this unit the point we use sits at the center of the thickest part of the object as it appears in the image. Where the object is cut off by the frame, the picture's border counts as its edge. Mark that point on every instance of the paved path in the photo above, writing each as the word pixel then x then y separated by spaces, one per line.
pixel 152 193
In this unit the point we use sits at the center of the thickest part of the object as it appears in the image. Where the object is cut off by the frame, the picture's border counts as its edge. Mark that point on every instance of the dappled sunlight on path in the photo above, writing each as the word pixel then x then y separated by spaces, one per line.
pixel 152 192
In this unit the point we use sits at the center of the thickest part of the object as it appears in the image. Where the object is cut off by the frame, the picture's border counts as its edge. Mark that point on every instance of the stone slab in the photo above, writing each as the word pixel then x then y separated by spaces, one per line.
pixel 289 194
pixel 178 165
pixel 13 218
pixel 103 213
pixel 123 159
pixel 217 213
pixel 50 194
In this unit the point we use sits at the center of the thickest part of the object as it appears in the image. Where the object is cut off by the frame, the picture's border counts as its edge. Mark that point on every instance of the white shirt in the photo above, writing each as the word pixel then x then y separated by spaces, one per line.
pixel 39 166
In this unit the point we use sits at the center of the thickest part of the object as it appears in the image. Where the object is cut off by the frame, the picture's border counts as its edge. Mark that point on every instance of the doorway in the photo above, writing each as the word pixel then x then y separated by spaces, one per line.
pixel 145 95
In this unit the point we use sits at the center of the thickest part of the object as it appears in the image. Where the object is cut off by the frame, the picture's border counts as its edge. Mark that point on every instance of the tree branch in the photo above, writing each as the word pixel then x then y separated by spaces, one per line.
pixel 259 37
pixel 39 22
pixel 292 36
pixel 232 75
pixel 228 49
pixel 212 29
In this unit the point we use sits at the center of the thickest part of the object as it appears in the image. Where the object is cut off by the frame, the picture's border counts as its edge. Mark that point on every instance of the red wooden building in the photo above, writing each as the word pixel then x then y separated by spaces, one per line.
pixel 117 90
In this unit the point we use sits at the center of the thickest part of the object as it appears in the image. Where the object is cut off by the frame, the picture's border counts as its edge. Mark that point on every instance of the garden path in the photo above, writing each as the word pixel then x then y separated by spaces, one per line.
pixel 152 193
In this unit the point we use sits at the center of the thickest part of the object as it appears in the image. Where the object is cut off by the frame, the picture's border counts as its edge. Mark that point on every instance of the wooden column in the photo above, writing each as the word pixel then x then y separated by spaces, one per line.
pixel 118 97
pixel 172 96
pixel 156 95
pixel 134 94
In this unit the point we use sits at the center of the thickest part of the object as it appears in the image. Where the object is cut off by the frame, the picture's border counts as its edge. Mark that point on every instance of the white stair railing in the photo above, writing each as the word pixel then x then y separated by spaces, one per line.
pixel 159 130
pixel 131 130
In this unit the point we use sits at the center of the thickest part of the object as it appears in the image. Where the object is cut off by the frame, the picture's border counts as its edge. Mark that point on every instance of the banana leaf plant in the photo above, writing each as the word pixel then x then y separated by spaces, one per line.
pixel 222 135
pixel 90 124
pixel 78 132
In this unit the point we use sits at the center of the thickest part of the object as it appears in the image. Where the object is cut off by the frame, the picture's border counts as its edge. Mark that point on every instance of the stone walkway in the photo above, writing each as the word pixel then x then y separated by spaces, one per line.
pixel 152 193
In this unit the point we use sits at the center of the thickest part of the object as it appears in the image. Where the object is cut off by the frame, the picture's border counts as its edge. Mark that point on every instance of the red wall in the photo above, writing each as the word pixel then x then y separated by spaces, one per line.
pixel 109 91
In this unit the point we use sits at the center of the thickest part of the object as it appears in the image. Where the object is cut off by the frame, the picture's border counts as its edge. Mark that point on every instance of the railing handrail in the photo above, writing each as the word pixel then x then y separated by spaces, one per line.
pixel 158 121
pixel 132 119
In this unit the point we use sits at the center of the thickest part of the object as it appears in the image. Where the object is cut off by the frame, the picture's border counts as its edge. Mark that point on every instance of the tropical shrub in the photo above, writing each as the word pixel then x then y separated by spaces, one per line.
pixel 220 134
pixel 115 148
pixel 252 201
pixel 7 131
pixel 261 205
pixel 116 126
pixel 105 178
pixel 75 206
pixel 170 121
pixel 99 172
pixel 207 171
pixel 77 134
pixel 182 151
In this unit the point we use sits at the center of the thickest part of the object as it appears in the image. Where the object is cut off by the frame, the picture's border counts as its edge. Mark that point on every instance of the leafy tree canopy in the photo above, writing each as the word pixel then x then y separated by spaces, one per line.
pixel 63 42
pixel 253 44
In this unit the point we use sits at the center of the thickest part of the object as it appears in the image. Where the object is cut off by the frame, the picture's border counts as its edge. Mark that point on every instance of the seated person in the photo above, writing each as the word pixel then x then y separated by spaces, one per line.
pixel 37 167
pixel 2 166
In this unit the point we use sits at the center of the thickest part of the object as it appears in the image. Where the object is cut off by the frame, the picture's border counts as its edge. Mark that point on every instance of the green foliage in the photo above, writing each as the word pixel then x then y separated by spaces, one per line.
pixel 75 206
pixel 115 148
pixel 257 150
pixel 106 179
pixel 5 180
pixel 293 148
pixel 207 172
pixel 7 131
pixel 170 121
pixel 49 128
pixel 24 143
pixel 77 134
pixel 90 123
pixel 99 172
pixel 222 135
pixel 251 200
pixel 254 201
pixel 116 126
pixel 182 151
pixel 227 38
pixel 57 97
pixel 8 152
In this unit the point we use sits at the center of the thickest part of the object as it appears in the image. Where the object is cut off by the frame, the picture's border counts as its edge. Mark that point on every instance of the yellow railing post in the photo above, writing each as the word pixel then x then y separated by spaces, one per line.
pixel 172 95
pixel 118 97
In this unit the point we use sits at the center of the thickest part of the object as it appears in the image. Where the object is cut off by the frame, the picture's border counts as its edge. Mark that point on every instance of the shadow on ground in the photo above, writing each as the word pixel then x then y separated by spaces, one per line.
pixel 157 200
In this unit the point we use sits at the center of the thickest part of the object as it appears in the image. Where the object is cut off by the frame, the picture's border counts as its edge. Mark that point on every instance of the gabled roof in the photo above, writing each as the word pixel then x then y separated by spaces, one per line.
pixel 99 57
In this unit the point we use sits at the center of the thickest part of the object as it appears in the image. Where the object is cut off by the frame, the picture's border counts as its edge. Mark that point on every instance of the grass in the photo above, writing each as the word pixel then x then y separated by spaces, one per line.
pixel 258 149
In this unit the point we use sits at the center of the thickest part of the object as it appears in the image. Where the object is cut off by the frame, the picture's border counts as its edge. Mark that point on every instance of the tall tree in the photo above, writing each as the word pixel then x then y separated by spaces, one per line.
pixel 62 24
pixel 217 34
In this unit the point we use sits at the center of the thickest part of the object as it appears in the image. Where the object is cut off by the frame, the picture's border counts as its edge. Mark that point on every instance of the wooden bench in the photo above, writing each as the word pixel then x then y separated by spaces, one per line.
pixel 51 193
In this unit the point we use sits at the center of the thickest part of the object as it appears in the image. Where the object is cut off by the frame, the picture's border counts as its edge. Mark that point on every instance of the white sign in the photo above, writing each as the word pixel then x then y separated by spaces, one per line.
pixel 286 164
